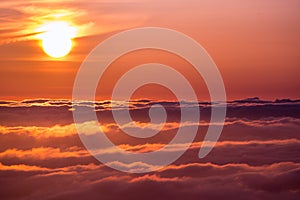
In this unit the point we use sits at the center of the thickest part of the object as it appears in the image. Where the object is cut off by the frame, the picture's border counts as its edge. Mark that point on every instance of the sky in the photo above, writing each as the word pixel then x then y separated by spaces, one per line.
pixel 255 44
pixel 43 151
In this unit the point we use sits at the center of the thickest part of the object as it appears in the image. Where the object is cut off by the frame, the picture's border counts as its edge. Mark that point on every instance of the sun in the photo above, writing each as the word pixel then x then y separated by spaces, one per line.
pixel 57 38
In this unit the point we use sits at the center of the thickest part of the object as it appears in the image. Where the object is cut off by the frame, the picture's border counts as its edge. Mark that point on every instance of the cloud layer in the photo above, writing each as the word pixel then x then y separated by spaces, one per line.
pixel 257 157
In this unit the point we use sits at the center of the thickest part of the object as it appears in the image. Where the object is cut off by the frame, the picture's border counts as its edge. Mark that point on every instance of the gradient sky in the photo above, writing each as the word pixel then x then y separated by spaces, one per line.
pixel 255 44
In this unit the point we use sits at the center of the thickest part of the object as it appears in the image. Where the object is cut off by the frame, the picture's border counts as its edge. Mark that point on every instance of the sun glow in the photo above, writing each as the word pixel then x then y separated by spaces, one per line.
pixel 57 38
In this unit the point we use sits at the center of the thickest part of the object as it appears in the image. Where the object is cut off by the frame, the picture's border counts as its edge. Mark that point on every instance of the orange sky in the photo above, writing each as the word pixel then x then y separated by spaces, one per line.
pixel 255 44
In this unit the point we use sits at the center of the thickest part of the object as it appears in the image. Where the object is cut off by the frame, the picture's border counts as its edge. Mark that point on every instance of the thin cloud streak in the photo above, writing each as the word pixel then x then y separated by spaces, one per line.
pixel 34 14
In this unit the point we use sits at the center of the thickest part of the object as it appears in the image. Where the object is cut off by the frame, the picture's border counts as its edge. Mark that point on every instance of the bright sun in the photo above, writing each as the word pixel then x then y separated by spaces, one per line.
pixel 57 38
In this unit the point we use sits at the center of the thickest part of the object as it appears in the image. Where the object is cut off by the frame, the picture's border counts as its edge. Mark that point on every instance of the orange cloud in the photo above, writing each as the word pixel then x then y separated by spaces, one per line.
pixel 43 153
pixel 40 132
pixel 22 167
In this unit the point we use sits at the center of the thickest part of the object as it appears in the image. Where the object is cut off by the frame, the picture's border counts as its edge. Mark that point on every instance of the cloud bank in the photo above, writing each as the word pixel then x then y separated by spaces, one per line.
pixel 257 157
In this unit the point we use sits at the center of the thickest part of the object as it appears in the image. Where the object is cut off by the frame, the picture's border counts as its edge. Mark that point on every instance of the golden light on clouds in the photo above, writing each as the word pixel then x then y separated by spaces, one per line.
pixel 57 37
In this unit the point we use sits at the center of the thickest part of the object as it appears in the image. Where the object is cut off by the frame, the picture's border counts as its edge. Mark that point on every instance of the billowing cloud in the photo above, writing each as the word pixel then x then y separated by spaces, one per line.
pixel 190 181
pixel 256 157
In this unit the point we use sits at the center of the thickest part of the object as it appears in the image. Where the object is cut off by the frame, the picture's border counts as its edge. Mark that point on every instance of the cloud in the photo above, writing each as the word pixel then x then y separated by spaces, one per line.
pixel 255 158
pixel 40 132
pixel 48 112
pixel 33 14
pixel 254 153
pixel 190 181
pixel 43 153
pixel 21 167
